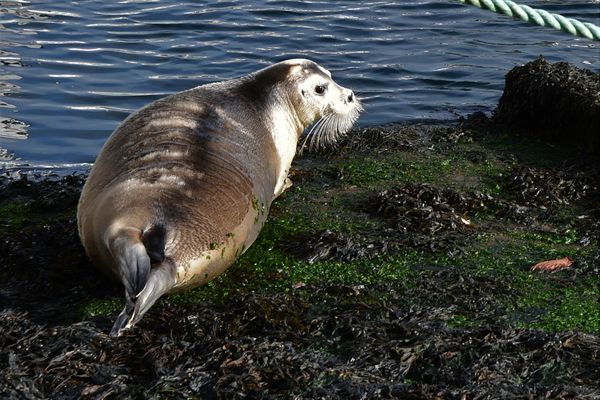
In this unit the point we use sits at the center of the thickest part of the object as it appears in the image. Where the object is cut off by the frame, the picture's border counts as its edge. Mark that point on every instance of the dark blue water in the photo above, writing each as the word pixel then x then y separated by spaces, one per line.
pixel 70 71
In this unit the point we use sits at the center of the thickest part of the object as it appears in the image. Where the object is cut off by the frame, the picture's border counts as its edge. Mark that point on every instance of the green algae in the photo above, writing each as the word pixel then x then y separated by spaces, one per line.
pixel 101 308
pixel 556 308
pixel 14 215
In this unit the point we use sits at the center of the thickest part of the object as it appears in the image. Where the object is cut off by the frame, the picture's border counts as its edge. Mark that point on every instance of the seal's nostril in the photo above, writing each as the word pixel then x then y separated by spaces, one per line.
pixel 350 97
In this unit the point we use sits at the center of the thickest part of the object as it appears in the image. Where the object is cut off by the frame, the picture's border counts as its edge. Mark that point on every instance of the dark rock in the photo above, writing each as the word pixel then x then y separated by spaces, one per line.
pixel 557 102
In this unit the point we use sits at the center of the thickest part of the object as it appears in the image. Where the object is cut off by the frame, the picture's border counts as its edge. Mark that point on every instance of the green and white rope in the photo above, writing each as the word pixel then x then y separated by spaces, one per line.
pixel 539 17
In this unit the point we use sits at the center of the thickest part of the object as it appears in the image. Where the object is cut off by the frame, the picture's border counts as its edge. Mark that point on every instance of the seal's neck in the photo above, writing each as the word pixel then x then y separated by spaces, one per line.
pixel 266 92
pixel 286 128
pixel 286 104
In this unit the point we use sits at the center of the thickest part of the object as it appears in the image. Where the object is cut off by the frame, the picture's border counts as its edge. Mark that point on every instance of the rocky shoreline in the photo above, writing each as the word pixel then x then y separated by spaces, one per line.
pixel 397 266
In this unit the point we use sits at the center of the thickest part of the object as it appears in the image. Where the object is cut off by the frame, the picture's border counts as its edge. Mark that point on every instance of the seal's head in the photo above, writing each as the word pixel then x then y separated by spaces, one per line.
pixel 319 100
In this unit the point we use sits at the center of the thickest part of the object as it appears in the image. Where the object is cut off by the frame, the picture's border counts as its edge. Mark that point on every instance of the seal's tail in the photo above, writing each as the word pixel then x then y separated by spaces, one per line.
pixel 144 271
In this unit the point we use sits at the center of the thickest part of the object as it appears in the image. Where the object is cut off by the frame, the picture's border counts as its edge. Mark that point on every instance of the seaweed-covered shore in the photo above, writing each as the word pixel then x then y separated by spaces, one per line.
pixel 398 266
pixel 383 273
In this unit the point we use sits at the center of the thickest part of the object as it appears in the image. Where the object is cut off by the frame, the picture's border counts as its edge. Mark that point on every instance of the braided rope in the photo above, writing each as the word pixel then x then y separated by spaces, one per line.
pixel 539 17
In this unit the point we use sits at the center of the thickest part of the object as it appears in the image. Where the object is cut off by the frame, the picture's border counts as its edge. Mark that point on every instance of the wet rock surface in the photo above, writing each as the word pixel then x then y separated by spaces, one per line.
pixel 49 193
pixel 556 101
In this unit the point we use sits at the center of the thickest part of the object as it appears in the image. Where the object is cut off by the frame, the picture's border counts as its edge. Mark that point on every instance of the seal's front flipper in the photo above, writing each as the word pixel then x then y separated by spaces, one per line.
pixel 287 183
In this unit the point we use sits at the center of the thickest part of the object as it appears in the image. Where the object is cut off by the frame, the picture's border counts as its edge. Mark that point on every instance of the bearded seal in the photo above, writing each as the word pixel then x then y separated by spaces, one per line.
pixel 183 186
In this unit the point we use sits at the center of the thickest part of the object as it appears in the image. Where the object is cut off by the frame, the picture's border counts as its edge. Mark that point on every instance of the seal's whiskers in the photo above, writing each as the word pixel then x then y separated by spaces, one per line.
pixel 330 128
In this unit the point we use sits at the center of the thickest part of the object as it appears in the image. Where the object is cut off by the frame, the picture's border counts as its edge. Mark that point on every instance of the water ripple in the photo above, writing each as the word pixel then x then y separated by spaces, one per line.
pixel 71 71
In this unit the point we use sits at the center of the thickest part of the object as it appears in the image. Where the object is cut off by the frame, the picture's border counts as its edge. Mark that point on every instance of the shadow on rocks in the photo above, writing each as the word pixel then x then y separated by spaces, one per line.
pixel 45 271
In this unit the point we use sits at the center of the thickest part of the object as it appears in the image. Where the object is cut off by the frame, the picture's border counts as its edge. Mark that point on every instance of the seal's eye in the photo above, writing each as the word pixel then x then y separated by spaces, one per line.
pixel 320 89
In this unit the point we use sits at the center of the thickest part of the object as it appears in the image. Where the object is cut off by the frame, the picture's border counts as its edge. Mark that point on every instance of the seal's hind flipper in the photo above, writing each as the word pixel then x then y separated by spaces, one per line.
pixel 144 271
pixel 123 317
pixel 161 280
pixel 133 265
pixel 132 259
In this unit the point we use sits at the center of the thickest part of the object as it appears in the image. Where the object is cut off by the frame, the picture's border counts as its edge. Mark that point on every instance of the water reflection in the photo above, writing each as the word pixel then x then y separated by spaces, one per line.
pixel 14 34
